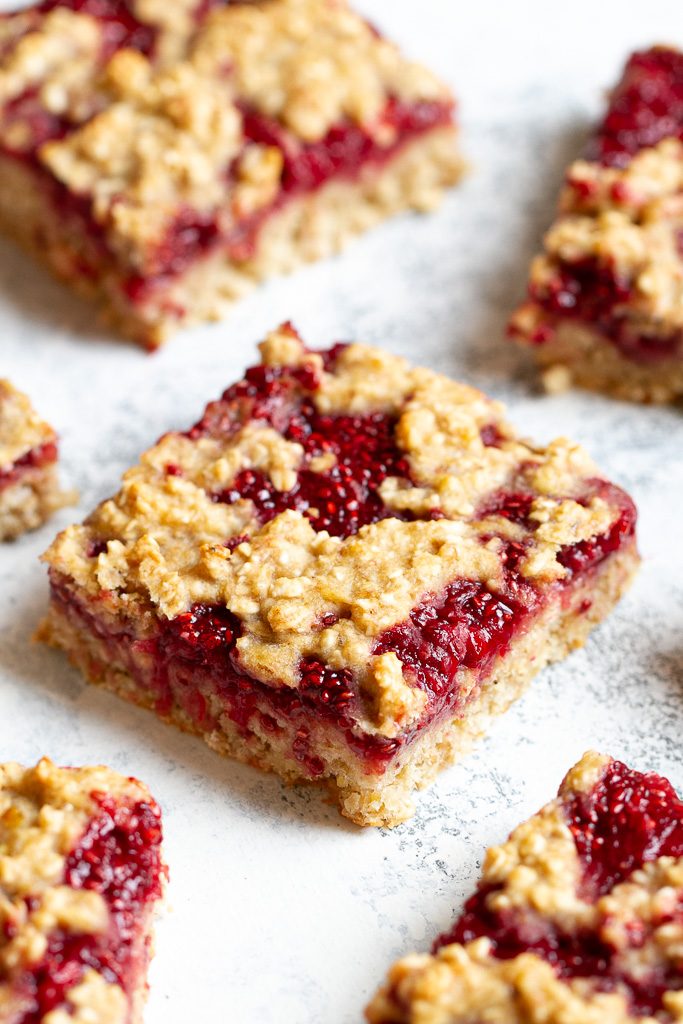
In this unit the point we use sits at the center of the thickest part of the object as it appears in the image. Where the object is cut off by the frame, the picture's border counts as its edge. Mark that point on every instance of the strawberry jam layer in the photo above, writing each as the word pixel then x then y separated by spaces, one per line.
pixel 118 857
pixel 599 296
pixel 36 458
pixel 629 819
pixel 646 107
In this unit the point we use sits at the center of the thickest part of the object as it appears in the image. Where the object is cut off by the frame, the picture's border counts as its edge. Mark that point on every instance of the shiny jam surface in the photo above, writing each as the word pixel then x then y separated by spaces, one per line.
pixel 119 857
pixel 646 107
pixel 626 821
pixel 466 627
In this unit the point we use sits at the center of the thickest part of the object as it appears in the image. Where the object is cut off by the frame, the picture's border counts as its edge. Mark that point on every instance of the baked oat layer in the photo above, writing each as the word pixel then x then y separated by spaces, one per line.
pixel 29 487
pixel 577 919
pixel 605 305
pixel 164 157
pixel 325 574
pixel 80 874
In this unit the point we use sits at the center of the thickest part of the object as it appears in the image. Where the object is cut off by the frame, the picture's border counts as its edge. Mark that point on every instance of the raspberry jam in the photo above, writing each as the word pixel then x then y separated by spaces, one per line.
pixel 342 154
pixel 466 627
pixel 119 857
pixel 581 557
pixel 347 147
pixel 37 457
pixel 646 107
pixel 599 295
pixel 363 450
pixel 199 647
pixel 627 820
pixel 345 497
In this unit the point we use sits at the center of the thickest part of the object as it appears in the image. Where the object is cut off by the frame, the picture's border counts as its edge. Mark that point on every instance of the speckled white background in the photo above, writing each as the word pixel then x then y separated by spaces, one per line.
pixel 280 911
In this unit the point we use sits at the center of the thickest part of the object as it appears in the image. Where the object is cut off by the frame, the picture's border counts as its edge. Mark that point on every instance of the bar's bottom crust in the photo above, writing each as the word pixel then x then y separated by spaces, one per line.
pixel 386 798
pixel 305 229
pixel 577 354
pixel 30 501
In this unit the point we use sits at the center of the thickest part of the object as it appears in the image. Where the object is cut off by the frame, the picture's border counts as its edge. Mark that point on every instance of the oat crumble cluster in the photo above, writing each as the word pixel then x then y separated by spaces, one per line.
pixel 80 874
pixel 29 487
pixel 178 152
pixel 606 294
pixel 333 573
pixel 577 919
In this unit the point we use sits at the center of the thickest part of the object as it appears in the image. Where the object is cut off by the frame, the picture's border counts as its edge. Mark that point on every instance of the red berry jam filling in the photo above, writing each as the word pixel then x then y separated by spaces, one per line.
pixel 345 497
pixel 646 107
pixel 512 505
pixel 626 821
pixel 37 457
pixel 119 857
pixel 584 556
pixel 342 154
pixel 599 295
pixel 200 647
pixel 466 627
pixel 347 147
pixel 340 499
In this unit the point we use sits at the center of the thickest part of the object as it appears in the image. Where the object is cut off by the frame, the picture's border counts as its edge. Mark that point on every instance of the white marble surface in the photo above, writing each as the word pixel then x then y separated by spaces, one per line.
pixel 279 911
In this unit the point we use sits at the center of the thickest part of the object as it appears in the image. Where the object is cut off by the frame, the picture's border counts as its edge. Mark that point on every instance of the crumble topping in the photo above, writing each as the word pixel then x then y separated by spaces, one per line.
pixel 21 429
pixel 61 52
pixel 536 878
pixel 289 577
pixel 311 64
pixel 558 522
pixel 164 143
pixel 93 999
pixel 464 983
pixel 171 538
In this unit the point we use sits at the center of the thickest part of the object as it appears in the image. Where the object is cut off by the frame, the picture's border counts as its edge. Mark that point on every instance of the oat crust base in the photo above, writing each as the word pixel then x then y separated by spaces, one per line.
pixel 586 359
